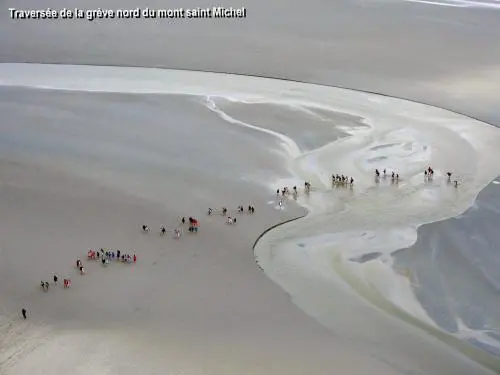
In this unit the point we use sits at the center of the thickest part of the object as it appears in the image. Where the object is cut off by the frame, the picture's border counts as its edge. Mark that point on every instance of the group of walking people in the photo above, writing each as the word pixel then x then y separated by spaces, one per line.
pixel 385 174
pixel 250 210
pixel 194 225
pixel 232 219
pixel 284 192
pixel 222 211
pixel 45 284
pixel 342 181
pixel 105 256
pixel 429 175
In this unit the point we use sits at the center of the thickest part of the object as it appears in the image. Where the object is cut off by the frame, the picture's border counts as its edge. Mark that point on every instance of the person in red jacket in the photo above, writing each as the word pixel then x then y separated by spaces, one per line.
pixel 135 258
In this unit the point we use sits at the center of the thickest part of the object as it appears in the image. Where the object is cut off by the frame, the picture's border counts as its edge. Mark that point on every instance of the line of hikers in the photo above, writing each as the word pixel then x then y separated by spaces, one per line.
pixel 223 211
pixel 394 176
pixel 429 174
pixel 285 191
pixel 342 181
pixel 106 255
pixel 193 227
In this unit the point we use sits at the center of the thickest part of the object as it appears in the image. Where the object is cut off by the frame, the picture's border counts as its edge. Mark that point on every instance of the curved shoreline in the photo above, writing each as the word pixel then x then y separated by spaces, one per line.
pixel 267 284
pixel 470 351
pixel 267 77
pixel 271 228
pixel 295 218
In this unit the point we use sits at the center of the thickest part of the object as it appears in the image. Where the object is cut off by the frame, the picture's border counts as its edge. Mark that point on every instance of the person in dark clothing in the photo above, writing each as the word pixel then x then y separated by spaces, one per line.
pixel 183 220
pixel 24 312
pixel 117 254
pixel 55 279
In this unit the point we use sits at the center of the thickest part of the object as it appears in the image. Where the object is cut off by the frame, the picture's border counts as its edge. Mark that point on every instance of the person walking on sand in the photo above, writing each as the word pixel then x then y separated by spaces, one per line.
pixel 55 279
pixel 24 312
pixel 135 258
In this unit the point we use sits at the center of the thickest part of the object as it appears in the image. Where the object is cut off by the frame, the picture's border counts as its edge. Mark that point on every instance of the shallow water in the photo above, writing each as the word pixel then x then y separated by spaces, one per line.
pixel 456 264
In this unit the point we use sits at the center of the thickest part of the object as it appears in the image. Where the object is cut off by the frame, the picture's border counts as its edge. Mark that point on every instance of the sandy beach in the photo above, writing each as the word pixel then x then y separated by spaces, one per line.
pixel 381 278
pixel 202 300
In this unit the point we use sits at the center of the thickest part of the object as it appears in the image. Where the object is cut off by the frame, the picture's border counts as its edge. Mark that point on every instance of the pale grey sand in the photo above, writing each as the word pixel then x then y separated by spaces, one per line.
pixel 431 54
pixel 201 300
pixel 199 305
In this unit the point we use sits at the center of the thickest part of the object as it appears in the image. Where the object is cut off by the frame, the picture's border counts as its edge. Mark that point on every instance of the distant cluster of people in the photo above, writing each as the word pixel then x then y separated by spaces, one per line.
pixel 100 255
pixel 342 181
pixel 177 231
pixel 222 211
pixel 429 175
pixel 231 219
pixel 79 266
pixel 193 225
pixel 45 284
pixel 250 210
pixel 105 256
pixel 394 176
pixel 285 192
pixel 346 181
